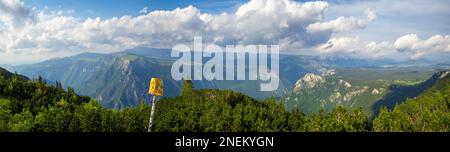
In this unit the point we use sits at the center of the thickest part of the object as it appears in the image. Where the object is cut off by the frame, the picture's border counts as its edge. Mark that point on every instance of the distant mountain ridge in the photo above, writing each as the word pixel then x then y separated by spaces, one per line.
pixel 121 79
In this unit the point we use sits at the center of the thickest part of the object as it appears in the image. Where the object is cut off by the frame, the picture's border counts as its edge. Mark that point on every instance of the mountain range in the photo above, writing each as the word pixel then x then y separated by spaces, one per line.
pixel 121 79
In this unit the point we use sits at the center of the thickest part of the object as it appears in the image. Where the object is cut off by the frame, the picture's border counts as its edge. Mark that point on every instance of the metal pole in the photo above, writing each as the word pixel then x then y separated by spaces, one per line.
pixel 150 124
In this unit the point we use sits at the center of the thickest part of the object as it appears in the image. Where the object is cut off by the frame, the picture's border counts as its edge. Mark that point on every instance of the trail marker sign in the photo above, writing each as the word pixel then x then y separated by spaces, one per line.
pixel 156 87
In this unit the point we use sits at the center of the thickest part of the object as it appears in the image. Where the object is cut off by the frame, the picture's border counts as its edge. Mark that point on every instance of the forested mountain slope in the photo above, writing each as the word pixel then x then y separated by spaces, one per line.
pixel 34 105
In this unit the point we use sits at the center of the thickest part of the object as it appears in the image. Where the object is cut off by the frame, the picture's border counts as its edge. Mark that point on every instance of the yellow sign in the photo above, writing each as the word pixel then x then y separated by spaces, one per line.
pixel 156 87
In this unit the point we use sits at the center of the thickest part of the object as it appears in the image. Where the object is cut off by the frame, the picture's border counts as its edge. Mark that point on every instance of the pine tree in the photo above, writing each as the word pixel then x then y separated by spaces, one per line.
pixel 187 88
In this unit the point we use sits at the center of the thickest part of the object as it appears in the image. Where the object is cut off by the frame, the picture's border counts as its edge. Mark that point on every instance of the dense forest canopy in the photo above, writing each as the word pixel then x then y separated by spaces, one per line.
pixel 34 105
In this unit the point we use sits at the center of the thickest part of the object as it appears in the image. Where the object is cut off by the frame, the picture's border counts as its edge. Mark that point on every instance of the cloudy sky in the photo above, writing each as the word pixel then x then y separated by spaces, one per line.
pixel 36 30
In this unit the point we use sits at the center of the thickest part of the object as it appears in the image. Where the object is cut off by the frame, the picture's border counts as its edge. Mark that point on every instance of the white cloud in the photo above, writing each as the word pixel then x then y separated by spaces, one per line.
pixel 406 47
pixel 411 43
pixel 266 21
pixel 14 13
pixel 342 24
pixel 54 33
pixel 357 48
pixel 144 10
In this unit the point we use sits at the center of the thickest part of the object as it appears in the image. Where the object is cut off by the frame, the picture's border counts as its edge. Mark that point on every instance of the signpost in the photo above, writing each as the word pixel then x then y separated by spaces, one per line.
pixel 156 89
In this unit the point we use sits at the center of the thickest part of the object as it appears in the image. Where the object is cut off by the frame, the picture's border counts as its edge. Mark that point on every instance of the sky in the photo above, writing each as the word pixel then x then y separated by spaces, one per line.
pixel 37 30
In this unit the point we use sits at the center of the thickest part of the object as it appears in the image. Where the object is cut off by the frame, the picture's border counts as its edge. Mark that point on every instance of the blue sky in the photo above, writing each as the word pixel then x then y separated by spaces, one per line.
pixel 37 30
pixel 116 8
pixel 112 8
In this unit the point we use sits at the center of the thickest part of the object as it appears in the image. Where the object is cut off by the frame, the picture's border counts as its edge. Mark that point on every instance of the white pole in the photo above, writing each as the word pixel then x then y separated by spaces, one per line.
pixel 150 124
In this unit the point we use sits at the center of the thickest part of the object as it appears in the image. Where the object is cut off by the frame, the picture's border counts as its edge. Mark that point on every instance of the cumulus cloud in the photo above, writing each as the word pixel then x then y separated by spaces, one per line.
pixel 406 47
pixel 14 13
pixel 357 48
pixel 53 32
pixel 411 43
pixel 255 22
pixel 343 24
pixel 266 21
